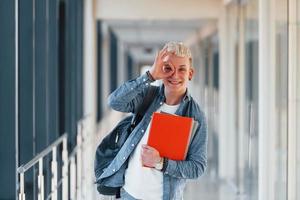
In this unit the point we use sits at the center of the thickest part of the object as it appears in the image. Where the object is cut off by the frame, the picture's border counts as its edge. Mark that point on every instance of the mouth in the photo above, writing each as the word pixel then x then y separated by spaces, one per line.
pixel 173 82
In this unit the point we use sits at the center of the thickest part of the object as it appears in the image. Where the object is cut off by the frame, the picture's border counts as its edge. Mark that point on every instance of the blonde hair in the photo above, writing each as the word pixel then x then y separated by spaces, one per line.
pixel 179 49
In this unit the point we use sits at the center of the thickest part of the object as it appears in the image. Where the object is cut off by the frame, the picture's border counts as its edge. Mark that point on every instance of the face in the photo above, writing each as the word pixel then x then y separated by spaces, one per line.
pixel 182 72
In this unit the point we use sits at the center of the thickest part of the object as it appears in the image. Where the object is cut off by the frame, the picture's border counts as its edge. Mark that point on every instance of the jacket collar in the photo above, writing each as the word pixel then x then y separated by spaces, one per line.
pixel 187 95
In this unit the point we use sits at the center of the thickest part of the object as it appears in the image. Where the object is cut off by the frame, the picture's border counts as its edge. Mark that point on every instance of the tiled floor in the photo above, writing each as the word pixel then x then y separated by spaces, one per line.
pixel 204 188
pixel 208 189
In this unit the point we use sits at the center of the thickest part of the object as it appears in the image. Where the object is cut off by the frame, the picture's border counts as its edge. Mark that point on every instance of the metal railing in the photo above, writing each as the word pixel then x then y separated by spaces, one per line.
pixel 74 161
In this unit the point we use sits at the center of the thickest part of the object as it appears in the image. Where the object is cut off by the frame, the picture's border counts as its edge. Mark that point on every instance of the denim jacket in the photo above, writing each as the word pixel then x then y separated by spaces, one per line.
pixel 127 98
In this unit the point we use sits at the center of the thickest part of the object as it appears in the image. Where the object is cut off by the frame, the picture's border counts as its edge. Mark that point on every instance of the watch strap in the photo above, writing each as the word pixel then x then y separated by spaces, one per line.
pixel 165 164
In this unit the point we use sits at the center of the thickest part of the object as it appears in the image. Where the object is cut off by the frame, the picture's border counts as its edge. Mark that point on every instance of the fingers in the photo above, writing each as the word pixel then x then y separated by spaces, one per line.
pixel 147 147
pixel 149 156
pixel 146 156
pixel 168 69
pixel 164 52
pixel 149 151
pixel 146 150
pixel 158 69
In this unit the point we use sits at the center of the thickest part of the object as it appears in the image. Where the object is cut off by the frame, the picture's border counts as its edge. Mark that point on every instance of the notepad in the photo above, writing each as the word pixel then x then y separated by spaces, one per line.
pixel 171 135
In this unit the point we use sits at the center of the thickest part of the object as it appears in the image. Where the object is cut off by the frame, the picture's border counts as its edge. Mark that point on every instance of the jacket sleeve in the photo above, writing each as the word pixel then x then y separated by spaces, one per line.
pixel 196 161
pixel 130 94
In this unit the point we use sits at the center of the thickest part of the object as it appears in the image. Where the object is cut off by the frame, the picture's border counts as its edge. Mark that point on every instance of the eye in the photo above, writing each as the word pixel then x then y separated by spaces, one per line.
pixel 167 68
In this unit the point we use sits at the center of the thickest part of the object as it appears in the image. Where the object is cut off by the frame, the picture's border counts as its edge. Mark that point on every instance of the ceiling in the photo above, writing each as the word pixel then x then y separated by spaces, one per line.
pixel 143 38
pixel 142 27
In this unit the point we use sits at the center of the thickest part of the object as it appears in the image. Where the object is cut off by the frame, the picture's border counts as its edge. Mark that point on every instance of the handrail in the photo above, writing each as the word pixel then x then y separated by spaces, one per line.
pixel 86 116
pixel 73 161
pixel 28 165
pixel 73 153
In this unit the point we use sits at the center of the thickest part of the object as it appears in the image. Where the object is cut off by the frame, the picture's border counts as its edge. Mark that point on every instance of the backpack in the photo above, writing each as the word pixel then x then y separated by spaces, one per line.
pixel 113 142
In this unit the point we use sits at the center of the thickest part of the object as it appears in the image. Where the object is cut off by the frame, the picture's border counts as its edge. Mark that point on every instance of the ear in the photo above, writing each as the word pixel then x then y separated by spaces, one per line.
pixel 191 73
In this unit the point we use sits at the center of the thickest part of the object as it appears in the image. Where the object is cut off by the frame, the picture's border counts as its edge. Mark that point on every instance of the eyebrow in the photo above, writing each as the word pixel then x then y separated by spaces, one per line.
pixel 182 65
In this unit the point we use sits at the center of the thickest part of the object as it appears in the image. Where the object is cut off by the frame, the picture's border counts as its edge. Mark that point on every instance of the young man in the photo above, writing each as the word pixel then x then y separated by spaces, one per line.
pixel 163 178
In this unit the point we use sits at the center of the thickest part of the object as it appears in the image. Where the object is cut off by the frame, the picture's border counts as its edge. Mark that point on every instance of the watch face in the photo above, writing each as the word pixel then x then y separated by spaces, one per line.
pixel 159 165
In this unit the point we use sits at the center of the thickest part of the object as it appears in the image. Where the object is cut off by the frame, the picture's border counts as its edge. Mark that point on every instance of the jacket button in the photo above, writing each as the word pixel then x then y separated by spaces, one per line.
pixel 143 131
pixel 113 170
pixel 124 158
pixel 132 145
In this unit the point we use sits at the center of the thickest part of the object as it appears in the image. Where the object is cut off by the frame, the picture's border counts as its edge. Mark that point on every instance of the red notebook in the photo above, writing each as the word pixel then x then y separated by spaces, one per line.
pixel 171 135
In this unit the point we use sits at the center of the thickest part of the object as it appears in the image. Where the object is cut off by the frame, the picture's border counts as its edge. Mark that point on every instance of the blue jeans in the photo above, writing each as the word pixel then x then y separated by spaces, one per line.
pixel 126 196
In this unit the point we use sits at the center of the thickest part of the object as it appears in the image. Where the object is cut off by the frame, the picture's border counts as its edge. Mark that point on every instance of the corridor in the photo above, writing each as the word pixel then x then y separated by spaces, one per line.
pixel 60 60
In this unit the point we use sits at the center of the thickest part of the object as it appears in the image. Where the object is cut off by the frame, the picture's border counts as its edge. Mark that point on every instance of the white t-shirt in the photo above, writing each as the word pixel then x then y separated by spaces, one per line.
pixel 144 182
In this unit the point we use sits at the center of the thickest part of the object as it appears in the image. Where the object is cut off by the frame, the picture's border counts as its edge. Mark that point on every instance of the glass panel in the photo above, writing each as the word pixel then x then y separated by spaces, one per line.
pixel 251 87
pixel 210 103
pixel 281 94
pixel 298 102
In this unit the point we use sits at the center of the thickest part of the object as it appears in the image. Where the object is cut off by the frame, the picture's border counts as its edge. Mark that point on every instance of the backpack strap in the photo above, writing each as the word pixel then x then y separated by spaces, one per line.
pixel 143 107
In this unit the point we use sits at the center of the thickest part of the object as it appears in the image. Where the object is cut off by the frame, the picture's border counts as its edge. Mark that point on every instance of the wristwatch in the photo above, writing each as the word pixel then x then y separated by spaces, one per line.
pixel 150 76
pixel 160 164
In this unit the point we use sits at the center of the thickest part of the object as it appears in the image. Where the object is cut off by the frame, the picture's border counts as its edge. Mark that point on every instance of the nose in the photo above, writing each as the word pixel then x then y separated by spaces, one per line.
pixel 175 73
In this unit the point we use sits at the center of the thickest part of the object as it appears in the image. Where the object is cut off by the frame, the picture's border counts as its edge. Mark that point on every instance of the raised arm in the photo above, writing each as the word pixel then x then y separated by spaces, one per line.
pixel 130 94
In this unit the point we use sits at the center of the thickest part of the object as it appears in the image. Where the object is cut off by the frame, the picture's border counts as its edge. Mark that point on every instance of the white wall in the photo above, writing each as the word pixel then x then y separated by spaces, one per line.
pixel 227 95
pixel 157 9
pixel 89 98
